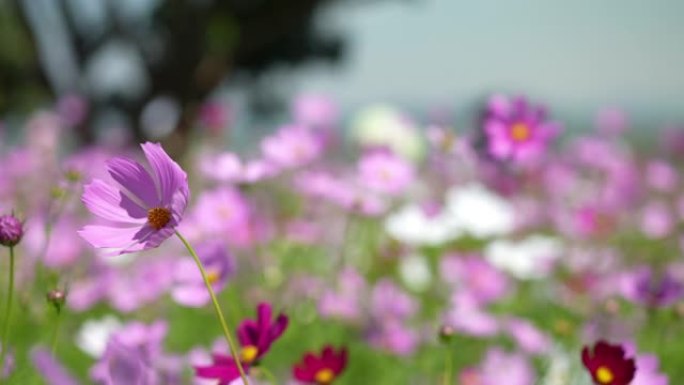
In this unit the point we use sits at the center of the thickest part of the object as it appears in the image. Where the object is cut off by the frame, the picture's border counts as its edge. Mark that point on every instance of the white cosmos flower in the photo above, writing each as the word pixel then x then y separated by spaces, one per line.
pixel 527 259
pixel 479 211
pixel 415 272
pixel 413 226
pixel 93 336
pixel 383 125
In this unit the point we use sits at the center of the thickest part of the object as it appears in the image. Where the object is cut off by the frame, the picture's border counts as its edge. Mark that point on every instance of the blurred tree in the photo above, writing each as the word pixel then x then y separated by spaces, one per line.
pixel 177 49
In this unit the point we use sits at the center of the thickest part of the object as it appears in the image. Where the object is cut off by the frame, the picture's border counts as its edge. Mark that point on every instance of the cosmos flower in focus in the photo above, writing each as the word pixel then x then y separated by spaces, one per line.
pixel 321 369
pixel 608 364
pixel 255 336
pixel 143 208
pixel 516 130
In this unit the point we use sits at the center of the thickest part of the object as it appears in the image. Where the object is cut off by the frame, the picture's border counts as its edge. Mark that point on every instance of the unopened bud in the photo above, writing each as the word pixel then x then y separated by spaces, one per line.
pixel 56 297
pixel 446 332
pixel 11 230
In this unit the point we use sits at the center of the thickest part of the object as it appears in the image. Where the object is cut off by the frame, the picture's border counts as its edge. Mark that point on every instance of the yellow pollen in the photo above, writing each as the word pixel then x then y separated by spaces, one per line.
pixel 213 276
pixel 248 354
pixel 520 132
pixel 604 375
pixel 158 217
pixel 324 376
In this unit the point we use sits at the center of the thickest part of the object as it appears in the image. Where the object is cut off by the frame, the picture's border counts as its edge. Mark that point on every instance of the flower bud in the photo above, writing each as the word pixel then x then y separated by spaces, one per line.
pixel 11 230
pixel 446 332
pixel 56 297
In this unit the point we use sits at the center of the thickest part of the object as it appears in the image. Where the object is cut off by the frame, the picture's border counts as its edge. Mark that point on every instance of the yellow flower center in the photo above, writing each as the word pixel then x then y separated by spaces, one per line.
pixel 520 132
pixel 604 375
pixel 324 376
pixel 158 217
pixel 213 276
pixel 248 354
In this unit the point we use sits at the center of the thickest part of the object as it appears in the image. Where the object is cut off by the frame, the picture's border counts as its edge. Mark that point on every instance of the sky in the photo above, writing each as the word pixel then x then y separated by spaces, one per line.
pixel 575 55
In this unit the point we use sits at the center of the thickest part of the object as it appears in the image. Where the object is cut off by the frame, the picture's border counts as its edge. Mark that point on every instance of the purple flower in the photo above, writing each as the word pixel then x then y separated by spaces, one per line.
pixel 11 230
pixel 644 287
pixel 394 337
pixel 143 209
pixel 657 221
pixel 389 302
pixel 475 275
pixel 516 130
pixel 222 211
pixel 528 336
pixel 190 289
pixel 52 371
pixel 647 371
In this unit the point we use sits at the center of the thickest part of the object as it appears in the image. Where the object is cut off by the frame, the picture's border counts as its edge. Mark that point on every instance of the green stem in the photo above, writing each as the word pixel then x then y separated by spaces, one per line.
pixel 271 378
pixel 55 333
pixel 8 310
pixel 217 308
pixel 447 368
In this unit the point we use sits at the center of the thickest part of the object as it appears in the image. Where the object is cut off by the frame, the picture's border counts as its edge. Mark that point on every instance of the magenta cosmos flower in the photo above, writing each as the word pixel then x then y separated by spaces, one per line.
pixel 256 338
pixel 143 208
pixel 323 369
pixel 516 130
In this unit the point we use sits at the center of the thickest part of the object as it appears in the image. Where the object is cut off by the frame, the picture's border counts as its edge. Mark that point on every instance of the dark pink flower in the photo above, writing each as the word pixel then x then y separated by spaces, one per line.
pixel 321 369
pixel 143 208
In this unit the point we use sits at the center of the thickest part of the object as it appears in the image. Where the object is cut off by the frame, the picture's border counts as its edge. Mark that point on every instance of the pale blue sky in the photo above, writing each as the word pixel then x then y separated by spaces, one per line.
pixel 577 54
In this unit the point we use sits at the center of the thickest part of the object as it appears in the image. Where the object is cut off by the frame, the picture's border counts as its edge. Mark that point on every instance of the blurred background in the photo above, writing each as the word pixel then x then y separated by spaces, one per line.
pixel 148 66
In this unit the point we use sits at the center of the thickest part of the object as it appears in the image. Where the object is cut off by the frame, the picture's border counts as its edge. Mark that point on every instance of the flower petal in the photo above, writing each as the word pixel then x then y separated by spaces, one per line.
pixel 133 176
pixel 168 174
pixel 109 203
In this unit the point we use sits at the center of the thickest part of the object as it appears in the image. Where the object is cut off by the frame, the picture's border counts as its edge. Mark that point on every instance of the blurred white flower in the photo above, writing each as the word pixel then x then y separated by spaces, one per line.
pixel 414 226
pixel 415 272
pixel 93 336
pixel 385 126
pixel 479 211
pixel 527 259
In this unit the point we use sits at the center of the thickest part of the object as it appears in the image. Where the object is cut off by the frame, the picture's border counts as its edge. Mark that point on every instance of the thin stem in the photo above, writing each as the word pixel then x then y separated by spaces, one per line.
pixel 55 333
pixel 8 311
pixel 271 378
pixel 447 368
pixel 217 307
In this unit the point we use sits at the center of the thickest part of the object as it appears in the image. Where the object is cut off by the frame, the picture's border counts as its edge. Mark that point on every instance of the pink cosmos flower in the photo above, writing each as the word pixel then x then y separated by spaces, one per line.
pixel 190 289
pixel 316 111
pixel 143 208
pixel 386 173
pixel 500 367
pixel 222 211
pixel 291 146
pixel 475 275
pixel 517 130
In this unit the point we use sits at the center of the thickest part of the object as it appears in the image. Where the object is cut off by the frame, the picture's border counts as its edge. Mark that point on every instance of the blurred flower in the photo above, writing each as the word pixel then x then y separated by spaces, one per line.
pixel 608 364
pixel 93 336
pixel 291 146
pixel 661 176
pixel 393 336
pixel 414 226
pixel 384 126
pixel 52 372
pixel 500 367
pixel 316 111
pixel 222 211
pixel 415 273
pixel 516 130
pixel 611 121
pixel 228 167
pixel 647 371
pixel 529 258
pixel 475 275
pixel 466 316
pixel 214 116
pixel 528 337
pixel 480 212
pixel 643 286
pixel 189 288
pixel 321 369
pixel 389 302
pixel 657 221
pixel 344 302
pixel 384 172
pixel 144 210
pixel 11 230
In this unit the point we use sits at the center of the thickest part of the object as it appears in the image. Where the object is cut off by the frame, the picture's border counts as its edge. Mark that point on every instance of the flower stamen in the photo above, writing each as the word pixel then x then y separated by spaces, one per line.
pixel 158 217
pixel 604 375
pixel 324 376
pixel 520 132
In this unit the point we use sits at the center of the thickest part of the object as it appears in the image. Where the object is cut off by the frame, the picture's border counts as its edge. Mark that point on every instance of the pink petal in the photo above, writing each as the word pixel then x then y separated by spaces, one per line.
pixel 133 176
pixel 108 203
